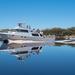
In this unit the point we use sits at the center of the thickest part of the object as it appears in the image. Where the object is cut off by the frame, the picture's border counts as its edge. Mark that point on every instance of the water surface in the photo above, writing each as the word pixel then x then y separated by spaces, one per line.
pixel 37 59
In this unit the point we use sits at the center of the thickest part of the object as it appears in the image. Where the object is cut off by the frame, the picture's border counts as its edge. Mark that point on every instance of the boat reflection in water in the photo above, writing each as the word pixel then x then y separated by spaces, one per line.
pixel 24 52
pixel 21 51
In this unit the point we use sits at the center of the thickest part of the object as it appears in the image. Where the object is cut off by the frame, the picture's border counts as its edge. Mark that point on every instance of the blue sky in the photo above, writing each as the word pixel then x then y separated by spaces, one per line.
pixel 38 13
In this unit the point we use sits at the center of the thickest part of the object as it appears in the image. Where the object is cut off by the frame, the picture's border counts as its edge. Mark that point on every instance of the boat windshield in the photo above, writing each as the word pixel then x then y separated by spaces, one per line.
pixel 41 35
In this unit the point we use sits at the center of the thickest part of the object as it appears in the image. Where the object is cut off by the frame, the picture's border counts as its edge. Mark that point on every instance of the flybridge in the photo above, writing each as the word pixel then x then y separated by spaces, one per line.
pixel 23 25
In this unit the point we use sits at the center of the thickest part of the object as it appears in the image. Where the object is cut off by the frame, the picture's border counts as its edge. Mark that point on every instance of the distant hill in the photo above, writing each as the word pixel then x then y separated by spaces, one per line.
pixel 59 31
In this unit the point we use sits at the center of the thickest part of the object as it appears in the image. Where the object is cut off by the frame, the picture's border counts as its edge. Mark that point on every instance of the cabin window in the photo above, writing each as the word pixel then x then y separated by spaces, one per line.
pixel 35 35
pixel 24 31
pixel 21 30
pixel 35 48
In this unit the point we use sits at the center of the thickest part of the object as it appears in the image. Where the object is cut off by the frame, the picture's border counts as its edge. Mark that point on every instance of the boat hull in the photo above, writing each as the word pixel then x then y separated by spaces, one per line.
pixel 23 37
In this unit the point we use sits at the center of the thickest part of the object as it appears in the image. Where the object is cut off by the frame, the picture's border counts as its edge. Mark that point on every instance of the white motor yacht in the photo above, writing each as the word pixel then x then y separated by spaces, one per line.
pixel 24 33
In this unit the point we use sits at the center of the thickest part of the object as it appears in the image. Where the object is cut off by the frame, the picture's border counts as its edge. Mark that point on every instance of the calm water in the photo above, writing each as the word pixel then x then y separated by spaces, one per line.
pixel 38 59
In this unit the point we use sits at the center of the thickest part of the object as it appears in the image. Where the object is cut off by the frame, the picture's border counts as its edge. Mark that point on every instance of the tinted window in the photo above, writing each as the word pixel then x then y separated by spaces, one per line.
pixel 21 30
pixel 35 35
